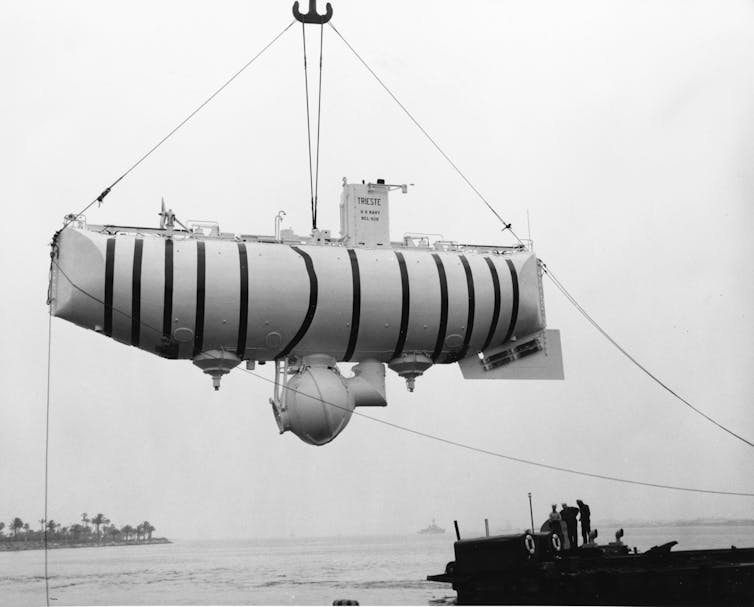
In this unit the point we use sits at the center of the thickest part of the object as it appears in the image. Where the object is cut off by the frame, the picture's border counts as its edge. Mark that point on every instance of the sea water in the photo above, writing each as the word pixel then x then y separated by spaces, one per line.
pixel 384 570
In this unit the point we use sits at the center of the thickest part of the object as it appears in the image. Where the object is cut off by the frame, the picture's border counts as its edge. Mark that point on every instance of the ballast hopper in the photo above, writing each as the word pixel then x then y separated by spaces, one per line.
pixel 307 303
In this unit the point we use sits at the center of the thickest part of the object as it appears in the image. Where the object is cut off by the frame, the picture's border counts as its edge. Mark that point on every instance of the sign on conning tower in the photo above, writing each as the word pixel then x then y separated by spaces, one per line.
pixel 364 214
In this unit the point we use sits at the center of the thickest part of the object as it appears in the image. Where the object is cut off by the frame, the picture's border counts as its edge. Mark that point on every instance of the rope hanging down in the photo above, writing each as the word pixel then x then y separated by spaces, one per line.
pixel 68 221
pixel 107 190
pixel 47 445
pixel 432 436
pixel 506 225
pixel 313 172
pixel 593 322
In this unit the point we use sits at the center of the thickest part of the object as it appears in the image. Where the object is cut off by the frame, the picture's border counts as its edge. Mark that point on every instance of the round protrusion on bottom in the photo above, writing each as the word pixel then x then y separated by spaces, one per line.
pixel 216 363
pixel 410 366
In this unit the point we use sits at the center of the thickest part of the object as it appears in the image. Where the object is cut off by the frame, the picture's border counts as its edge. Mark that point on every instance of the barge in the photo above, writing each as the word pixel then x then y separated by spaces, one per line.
pixel 531 568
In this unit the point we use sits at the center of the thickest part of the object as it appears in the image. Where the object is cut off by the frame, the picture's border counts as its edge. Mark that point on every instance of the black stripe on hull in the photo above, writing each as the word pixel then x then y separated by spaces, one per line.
pixel 136 292
pixel 168 348
pixel 313 294
pixel 514 307
pixel 356 308
pixel 201 276
pixel 496 309
pixel 405 302
pixel 443 307
pixel 472 305
pixel 109 277
pixel 167 306
pixel 243 310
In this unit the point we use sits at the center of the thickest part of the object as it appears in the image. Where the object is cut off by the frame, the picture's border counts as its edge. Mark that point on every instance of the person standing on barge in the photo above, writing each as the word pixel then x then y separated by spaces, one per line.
pixel 569 514
pixel 558 526
pixel 586 526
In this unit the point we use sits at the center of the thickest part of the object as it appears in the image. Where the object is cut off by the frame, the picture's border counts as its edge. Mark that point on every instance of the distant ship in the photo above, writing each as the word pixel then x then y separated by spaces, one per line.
pixel 432 529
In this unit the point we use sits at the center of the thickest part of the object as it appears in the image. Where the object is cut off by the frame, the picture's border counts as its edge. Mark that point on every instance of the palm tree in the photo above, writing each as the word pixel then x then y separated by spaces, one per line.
pixel 99 520
pixel 127 531
pixel 26 532
pixel 2 526
pixel 139 532
pixel 148 529
pixel 42 524
pixel 85 519
pixel 16 525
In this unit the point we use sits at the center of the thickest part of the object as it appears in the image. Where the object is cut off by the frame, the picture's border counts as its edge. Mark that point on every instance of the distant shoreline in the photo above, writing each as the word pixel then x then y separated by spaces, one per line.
pixel 15 546
pixel 702 522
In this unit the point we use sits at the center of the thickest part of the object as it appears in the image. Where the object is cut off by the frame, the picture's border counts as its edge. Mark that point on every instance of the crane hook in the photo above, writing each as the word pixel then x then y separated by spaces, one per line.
pixel 312 16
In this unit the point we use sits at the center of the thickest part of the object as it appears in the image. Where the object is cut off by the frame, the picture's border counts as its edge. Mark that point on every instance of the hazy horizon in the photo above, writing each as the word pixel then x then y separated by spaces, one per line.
pixel 449 531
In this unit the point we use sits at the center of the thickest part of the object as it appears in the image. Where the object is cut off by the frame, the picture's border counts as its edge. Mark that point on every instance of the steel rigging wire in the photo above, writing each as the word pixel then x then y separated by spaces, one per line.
pixel 313 173
pixel 314 187
pixel 319 122
pixel 149 152
pixel 623 351
pixel 507 226
pixel 415 432
pixel 308 130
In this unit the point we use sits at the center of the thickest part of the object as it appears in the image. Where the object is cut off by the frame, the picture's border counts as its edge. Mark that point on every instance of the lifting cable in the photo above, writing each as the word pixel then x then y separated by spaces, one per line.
pixel 319 122
pixel 313 173
pixel 308 129
pixel 623 351
pixel 426 434
pixel 106 191
pixel 506 225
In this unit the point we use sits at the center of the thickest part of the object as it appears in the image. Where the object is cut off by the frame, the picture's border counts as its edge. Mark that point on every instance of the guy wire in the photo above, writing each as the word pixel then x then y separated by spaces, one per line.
pixel 106 191
pixel 501 455
pixel 435 437
pixel 625 353
pixel 506 225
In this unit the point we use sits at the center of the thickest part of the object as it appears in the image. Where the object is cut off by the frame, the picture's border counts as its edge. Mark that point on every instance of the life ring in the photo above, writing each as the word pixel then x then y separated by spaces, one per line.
pixel 531 547
pixel 555 542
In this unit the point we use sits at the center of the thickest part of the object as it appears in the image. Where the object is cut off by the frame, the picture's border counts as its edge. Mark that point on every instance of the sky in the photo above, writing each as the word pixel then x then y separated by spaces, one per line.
pixel 620 135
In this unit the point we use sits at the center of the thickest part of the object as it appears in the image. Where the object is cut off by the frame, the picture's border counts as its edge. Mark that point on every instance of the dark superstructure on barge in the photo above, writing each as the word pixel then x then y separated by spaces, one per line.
pixel 528 568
